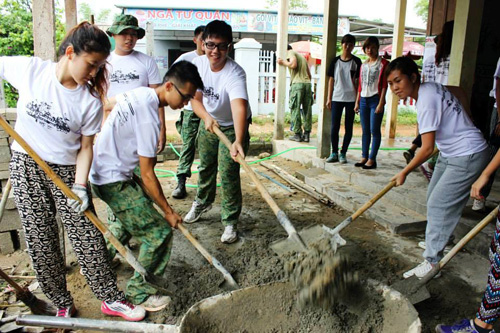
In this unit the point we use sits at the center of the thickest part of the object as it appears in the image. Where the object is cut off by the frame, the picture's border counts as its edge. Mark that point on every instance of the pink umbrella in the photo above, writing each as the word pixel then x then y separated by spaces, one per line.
pixel 413 49
pixel 308 49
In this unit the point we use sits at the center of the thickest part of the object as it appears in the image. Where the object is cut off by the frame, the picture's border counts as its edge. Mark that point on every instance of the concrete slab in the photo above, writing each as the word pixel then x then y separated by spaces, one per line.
pixel 403 209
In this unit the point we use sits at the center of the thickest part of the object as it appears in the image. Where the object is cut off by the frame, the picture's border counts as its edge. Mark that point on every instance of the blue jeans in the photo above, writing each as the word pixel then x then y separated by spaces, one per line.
pixel 370 124
pixel 337 108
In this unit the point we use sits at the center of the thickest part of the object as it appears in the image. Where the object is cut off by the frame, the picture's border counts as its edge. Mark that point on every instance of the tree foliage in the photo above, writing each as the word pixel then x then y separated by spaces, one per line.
pixel 85 12
pixel 294 4
pixel 422 9
pixel 16 35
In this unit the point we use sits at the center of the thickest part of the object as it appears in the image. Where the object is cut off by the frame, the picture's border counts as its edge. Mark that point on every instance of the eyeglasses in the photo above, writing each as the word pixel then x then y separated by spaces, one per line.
pixel 220 46
pixel 186 98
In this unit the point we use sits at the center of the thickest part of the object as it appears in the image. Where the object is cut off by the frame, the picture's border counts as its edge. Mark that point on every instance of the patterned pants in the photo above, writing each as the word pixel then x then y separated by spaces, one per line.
pixel 489 310
pixel 38 200
pixel 137 217
pixel 214 153
pixel 301 95
pixel 187 126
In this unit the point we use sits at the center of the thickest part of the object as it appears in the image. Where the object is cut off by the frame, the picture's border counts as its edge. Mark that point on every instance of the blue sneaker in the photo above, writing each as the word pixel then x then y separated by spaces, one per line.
pixel 332 158
pixel 342 158
pixel 465 326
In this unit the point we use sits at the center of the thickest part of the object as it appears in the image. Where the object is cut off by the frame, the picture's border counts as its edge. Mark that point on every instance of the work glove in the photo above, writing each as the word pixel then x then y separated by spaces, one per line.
pixel 81 192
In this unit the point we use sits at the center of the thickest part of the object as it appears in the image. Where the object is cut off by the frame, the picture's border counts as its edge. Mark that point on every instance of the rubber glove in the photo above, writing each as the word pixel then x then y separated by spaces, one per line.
pixel 81 192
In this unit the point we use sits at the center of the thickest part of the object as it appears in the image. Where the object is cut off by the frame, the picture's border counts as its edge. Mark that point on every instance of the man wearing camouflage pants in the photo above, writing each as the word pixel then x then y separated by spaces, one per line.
pixel 300 95
pixel 223 103
pixel 188 125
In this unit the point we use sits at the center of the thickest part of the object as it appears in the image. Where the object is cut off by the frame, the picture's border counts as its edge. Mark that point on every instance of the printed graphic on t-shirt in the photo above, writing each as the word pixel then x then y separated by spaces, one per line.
pixel 123 114
pixel 119 77
pixel 448 98
pixel 209 93
pixel 40 111
pixel 373 74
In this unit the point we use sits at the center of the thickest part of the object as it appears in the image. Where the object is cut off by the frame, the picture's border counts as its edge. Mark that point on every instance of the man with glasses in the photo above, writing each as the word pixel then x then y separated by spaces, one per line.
pixel 188 125
pixel 128 139
pixel 223 103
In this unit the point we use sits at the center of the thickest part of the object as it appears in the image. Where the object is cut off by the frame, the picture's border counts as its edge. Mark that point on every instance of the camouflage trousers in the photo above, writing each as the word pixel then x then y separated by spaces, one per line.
pixel 187 126
pixel 213 153
pixel 136 216
pixel 301 95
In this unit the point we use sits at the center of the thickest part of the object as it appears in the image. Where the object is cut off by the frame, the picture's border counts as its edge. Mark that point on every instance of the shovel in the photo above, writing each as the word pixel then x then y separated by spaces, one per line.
pixel 335 238
pixel 282 218
pixel 415 289
pixel 156 281
pixel 211 259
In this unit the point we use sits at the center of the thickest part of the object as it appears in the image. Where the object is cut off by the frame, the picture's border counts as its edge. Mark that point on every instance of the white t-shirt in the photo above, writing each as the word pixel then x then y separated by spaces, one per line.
pixel 440 111
pixel 495 77
pixel 50 117
pixel 125 136
pixel 221 88
pixel 370 74
pixel 188 56
pixel 131 71
pixel 344 72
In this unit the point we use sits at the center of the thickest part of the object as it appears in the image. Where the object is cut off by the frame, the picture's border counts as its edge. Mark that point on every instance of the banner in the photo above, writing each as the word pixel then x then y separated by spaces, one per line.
pixel 240 21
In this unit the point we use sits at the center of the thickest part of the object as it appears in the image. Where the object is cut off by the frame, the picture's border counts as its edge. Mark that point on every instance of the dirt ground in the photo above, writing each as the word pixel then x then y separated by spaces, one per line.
pixel 251 260
pixel 262 131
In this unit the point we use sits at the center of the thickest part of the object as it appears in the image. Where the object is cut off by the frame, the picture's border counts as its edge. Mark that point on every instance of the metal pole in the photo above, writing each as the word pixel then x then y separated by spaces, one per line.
pixel 94 324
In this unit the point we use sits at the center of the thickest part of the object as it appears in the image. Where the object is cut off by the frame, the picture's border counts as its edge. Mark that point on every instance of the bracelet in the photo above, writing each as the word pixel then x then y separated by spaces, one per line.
pixel 84 185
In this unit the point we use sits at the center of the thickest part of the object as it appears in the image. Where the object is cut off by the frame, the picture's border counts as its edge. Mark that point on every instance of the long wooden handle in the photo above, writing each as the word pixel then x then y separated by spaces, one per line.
pixel 471 234
pixel 380 194
pixel 5 197
pixel 67 191
pixel 195 242
pixel 182 228
pixel 265 194
pixel 373 200
pixel 10 281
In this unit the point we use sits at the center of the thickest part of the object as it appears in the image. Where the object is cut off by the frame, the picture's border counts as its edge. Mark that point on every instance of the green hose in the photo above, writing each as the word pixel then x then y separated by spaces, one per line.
pixel 172 174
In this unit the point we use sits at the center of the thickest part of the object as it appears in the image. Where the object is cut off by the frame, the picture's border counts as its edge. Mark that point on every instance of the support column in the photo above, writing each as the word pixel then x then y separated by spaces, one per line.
pixel 44 29
pixel 150 39
pixel 70 13
pixel 397 50
pixel 330 18
pixel 466 30
pixel 246 54
pixel 281 46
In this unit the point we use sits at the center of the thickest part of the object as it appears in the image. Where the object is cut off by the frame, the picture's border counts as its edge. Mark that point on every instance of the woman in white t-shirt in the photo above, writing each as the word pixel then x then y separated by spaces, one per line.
pixel 442 120
pixel 370 102
pixel 59 111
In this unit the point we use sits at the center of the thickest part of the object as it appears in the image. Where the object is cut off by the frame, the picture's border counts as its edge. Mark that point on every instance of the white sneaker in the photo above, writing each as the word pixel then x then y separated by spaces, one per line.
pixel 124 309
pixel 446 249
pixel 156 303
pixel 479 205
pixel 230 235
pixel 421 270
pixel 195 212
